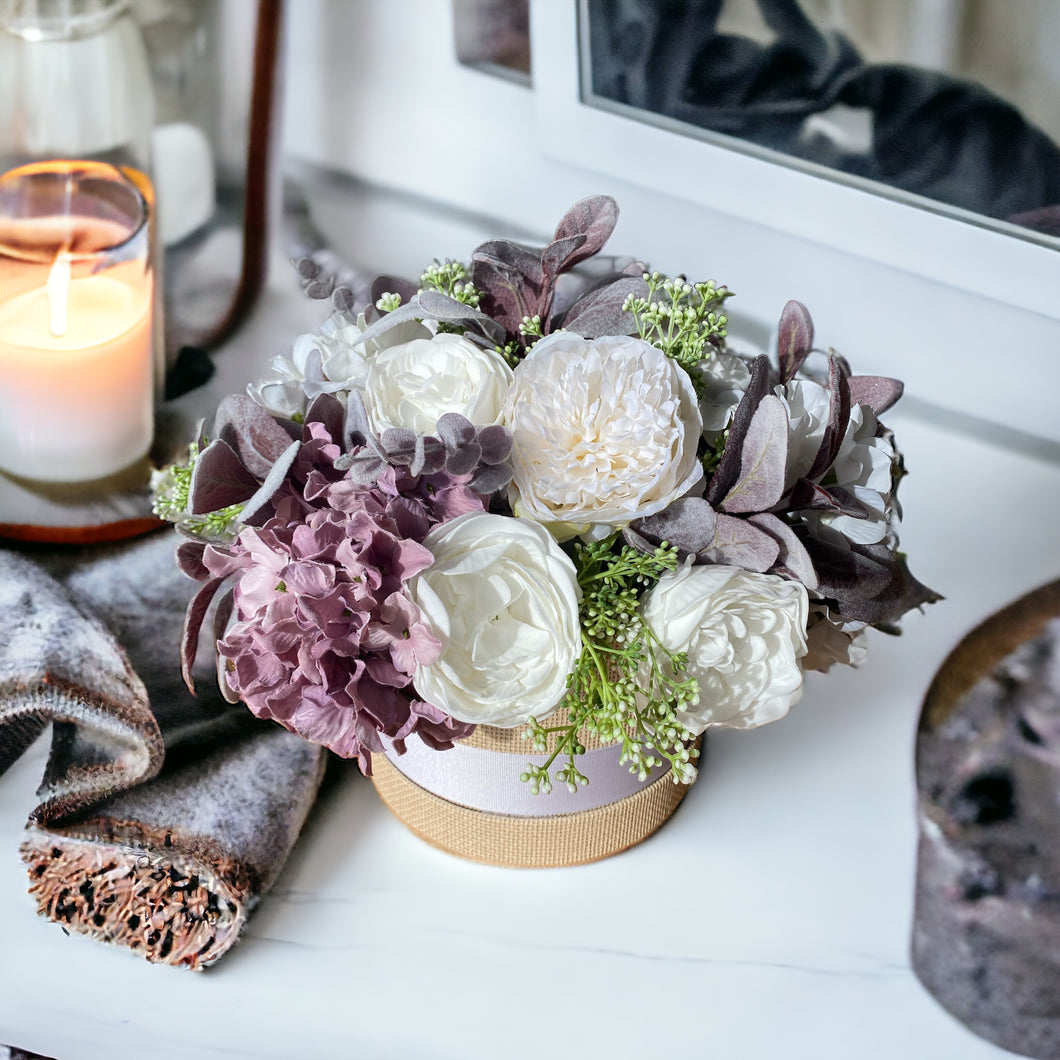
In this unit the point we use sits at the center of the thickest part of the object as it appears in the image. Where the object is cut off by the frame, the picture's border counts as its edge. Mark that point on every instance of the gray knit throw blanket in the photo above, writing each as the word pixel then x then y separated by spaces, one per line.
pixel 162 817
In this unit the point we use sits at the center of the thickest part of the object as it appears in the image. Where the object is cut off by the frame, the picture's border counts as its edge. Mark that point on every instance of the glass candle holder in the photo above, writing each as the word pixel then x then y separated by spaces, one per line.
pixel 76 320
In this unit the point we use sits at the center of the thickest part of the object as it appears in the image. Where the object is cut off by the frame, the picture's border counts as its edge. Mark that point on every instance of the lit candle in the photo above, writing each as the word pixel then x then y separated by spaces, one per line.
pixel 76 328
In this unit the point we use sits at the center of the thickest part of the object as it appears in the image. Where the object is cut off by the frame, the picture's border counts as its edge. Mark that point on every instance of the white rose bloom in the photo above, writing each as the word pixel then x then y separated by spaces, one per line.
pixel 343 367
pixel 604 432
pixel 502 597
pixel 744 634
pixel 413 384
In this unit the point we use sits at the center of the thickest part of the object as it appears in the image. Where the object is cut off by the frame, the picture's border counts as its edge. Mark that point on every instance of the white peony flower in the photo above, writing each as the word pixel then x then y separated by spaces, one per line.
pixel 502 597
pixel 325 363
pixel 744 634
pixel 413 384
pixel 604 432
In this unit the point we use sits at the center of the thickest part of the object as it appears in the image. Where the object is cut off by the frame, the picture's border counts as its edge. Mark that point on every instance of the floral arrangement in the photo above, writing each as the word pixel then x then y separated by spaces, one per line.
pixel 528 484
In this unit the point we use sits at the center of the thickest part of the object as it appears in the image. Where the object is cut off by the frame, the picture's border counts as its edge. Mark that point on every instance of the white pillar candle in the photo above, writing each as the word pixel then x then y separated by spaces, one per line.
pixel 76 369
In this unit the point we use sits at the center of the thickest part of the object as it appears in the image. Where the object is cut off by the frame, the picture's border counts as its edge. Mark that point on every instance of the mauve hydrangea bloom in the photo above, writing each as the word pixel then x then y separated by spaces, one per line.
pixel 324 638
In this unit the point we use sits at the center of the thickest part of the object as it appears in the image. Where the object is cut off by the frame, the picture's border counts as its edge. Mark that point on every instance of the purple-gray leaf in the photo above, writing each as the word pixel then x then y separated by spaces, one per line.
pixel 328 410
pixel 384 284
pixel 739 543
pixel 496 443
pixel 455 430
pixel 193 619
pixel 463 461
pixel 876 391
pixel 491 479
pixel 273 480
pixel 599 312
pixel 555 257
pixel 794 339
pixel 595 218
pixel 219 479
pixel 251 432
pixel 793 559
pixel 728 469
pixel 439 306
pixel 838 419
pixel 689 524
pixel 189 560
pixel 399 442
pixel 763 457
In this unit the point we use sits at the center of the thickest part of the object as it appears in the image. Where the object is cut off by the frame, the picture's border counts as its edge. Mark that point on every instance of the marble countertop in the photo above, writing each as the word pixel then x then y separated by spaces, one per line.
pixel 770 917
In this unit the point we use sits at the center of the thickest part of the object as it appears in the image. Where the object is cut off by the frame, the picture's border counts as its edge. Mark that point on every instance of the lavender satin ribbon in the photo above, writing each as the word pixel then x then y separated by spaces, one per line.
pixel 489 780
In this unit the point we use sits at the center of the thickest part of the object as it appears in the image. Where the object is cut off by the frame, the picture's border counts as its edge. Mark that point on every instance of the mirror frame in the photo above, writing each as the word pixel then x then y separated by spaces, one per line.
pixel 978 255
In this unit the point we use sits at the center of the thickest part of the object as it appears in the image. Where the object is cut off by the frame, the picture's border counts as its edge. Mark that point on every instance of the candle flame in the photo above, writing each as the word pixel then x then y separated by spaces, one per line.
pixel 58 288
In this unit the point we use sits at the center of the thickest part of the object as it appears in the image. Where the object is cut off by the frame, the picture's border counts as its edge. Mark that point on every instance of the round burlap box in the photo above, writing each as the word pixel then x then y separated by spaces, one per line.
pixel 470 801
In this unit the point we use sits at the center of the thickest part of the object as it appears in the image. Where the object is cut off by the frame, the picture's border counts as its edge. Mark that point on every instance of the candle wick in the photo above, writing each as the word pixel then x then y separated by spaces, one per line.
pixel 58 288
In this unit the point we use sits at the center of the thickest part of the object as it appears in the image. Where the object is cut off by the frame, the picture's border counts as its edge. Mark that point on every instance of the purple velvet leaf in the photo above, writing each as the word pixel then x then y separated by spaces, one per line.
pixel 384 284
pixel 876 391
pixel 496 443
pixel 438 306
pixel 504 294
pixel 193 619
pixel 762 460
pixel 638 541
pixel 189 560
pixel 273 480
pixel 490 479
pixel 869 583
pixel 807 496
pixel 433 456
pixel 838 418
pixel 226 603
pixel 557 254
pixel 402 315
pixel 356 430
pixel 595 218
pixel 455 430
pixel 504 254
pixel 362 466
pixel 794 339
pixel 398 441
pixel 728 470
pixel 739 543
pixel 793 561
pixel 464 460
pixel 251 432
pixel 219 479
pixel 599 312
pixel 689 524
pixel 328 410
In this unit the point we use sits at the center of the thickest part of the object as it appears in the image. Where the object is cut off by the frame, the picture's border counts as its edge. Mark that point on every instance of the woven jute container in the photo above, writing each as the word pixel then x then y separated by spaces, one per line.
pixel 470 801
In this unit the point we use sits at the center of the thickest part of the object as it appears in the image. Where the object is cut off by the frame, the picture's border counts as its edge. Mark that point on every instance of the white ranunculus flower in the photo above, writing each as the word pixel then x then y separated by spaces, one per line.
pixel 744 634
pixel 502 597
pixel 604 431
pixel 413 384
pixel 325 363
pixel 725 378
